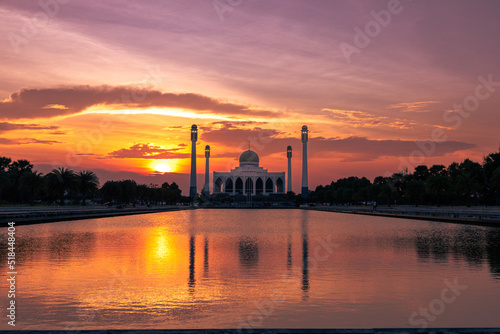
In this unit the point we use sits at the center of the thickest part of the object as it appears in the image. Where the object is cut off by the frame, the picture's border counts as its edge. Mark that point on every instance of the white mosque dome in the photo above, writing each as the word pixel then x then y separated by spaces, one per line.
pixel 249 158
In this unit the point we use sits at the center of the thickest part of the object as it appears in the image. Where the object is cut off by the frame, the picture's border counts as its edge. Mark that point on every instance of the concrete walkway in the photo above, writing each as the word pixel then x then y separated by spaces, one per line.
pixel 31 215
pixel 484 216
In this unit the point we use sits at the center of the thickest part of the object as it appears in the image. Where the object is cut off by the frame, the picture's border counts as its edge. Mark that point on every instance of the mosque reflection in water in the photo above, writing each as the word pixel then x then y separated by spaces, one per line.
pixel 248 252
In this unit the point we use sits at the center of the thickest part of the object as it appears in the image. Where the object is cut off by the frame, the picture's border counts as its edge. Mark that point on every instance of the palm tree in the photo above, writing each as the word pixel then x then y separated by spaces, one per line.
pixel 32 181
pixel 87 182
pixel 16 170
pixel 61 180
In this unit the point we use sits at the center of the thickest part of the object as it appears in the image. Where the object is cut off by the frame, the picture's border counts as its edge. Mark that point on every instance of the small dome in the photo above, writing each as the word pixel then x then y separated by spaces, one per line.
pixel 304 127
pixel 249 158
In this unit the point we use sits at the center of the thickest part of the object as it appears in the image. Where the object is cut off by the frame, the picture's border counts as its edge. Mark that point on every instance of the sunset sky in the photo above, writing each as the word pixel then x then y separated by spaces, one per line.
pixel 115 86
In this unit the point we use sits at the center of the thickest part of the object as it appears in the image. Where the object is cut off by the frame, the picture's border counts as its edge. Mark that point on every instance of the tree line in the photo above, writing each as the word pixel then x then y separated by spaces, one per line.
pixel 20 183
pixel 465 183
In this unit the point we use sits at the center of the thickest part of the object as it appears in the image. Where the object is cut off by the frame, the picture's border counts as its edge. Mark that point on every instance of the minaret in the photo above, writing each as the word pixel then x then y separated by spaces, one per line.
pixel 206 188
pixel 289 156
pixel 194 137
pixel 305 138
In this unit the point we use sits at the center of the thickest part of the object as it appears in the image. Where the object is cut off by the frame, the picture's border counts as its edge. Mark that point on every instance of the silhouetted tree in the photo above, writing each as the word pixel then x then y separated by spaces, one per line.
pixel 61 180
pixel 495 183
pixel 466 186
pixel 421 172
pixel 87 182
pixel 436 185
pixel 490 164
pixel 415 191
pixel 16 170
pixel 438 170
pixel 32 181
pixel 4 177
pixel 110 191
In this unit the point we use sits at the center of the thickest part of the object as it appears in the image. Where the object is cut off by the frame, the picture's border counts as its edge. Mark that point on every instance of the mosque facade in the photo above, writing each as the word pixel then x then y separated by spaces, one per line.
pixel 249 178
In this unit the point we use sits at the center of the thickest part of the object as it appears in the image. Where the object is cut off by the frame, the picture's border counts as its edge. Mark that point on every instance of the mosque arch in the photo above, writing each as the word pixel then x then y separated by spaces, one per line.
pixel 259 186
pixel 249 186
pixel 269 186
pixel 279 185
pixel 238 187
pixel 229 186
pixel 218 185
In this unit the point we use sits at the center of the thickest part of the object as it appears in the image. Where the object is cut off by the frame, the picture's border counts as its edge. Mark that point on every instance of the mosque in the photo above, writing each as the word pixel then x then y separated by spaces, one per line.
pixel 248 178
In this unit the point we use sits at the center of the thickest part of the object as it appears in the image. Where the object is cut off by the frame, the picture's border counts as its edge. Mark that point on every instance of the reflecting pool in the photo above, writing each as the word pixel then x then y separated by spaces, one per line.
pixel 247 268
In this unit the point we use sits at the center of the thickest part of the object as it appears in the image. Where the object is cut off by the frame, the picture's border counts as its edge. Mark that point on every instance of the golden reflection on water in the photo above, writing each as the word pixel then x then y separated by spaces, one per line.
pixel 161 248
pixel 219 268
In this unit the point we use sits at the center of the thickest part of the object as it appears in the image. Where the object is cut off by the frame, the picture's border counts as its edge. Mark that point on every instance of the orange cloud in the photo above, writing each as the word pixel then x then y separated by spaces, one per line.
pixel 355 118
pixel 148 151
pixel 413 106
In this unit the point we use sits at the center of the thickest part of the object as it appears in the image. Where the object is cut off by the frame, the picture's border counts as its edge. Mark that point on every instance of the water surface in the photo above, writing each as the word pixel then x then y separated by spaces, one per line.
pixel 254 268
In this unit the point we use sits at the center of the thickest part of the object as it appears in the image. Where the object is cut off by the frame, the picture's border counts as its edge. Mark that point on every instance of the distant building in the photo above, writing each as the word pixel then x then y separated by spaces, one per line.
pixel 249 178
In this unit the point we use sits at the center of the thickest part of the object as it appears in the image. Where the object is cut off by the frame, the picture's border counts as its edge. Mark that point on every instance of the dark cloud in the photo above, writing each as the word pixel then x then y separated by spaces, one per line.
pixel 6 141
pixel 50 102
pixel 234 124
pixel 25 141
pixel 268 141
pixel 38 141
pixel 147 151
pixel 7 126
pixel 364 149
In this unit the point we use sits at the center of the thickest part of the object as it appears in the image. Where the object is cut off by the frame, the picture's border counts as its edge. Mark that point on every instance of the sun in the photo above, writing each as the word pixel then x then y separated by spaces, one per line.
pixel 163 167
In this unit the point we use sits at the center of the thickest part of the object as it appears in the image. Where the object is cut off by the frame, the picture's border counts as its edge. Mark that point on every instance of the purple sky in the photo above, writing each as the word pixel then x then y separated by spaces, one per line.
pixel 271 62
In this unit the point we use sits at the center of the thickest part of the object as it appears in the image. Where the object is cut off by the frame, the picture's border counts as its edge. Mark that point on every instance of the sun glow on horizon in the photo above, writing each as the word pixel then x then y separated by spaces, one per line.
pixel 175 112
pixel 162 167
